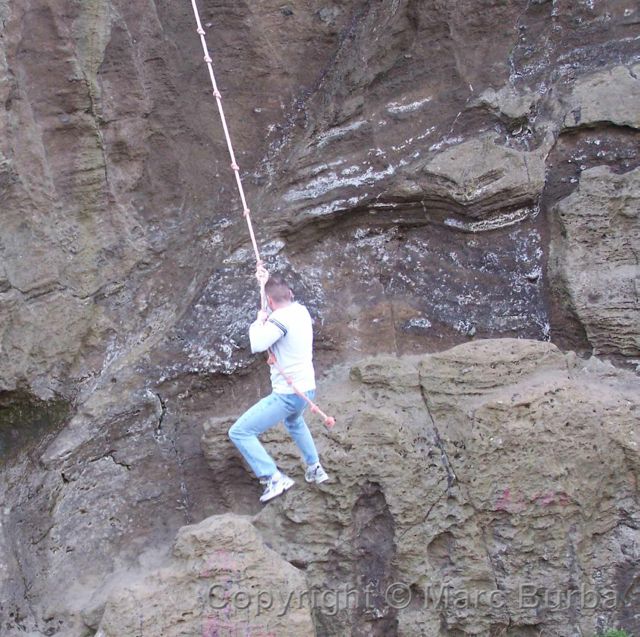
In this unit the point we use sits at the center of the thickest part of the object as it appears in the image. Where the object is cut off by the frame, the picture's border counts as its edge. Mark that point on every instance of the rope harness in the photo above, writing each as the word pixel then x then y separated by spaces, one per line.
pixel 271 360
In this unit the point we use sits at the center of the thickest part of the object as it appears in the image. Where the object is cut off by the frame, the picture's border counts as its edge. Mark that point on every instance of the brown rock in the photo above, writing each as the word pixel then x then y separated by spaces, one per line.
pixel 126 282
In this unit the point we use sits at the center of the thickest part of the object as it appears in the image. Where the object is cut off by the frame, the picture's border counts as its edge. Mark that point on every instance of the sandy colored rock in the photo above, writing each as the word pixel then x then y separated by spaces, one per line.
pixel 607 96
pixel 222 580
pixel 498 471
pixel 594 258
pixel 480 173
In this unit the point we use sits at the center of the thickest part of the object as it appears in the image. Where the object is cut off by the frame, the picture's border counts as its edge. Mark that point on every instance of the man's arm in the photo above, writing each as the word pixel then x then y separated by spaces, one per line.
pixel 263 334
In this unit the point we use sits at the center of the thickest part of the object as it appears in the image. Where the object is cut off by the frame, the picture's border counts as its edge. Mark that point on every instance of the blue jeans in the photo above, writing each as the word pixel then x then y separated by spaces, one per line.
pixel 265 414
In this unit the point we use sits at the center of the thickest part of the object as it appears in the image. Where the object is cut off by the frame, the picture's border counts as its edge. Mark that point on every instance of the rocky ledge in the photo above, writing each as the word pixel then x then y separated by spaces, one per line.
pixel 488 489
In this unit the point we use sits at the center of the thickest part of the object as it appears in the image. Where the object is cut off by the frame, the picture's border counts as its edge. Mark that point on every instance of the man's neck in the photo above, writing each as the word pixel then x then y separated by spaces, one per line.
pixel 279 306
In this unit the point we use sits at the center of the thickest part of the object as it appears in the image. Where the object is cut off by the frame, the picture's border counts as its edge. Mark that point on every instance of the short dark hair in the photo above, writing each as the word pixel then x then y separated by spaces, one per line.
pixel 278 289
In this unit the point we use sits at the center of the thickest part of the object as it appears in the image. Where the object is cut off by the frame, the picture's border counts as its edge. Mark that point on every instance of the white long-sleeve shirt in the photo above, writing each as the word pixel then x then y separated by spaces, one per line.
pixel 288 333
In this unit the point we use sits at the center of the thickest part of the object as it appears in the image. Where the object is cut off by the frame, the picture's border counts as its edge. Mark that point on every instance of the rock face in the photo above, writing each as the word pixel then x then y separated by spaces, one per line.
pixel 116 189
pixel 425 173
pixel 487 488
pixel 595 258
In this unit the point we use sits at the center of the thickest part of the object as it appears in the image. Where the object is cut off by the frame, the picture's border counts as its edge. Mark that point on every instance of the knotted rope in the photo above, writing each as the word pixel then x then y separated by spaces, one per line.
pixel 328 420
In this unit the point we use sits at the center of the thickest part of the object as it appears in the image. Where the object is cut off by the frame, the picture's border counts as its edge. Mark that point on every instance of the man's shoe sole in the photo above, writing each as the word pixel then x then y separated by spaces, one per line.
pixel 284 485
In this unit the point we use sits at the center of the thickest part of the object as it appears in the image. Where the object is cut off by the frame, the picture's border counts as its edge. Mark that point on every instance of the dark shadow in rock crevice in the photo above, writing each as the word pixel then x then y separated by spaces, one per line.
pixel 27 422
pixel 360 572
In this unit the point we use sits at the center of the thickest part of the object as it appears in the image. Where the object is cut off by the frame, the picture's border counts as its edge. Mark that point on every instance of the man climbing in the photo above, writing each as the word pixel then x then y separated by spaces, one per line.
pixel 288 333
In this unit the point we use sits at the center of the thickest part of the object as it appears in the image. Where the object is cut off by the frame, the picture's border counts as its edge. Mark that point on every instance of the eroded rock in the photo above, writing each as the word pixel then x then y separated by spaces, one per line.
pixel 499 471
pixel 222 580
pixel 608 96
pixel 484 177
pixel 594 258
pixel 126 275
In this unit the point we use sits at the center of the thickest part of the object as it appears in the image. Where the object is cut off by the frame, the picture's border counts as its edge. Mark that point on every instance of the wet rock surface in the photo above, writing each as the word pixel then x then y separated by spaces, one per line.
pixel 426 174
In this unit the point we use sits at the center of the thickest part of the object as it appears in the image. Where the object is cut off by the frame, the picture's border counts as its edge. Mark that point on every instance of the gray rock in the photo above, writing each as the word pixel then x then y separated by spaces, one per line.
pixel 484 177
pixel 514 104
pixel 484 471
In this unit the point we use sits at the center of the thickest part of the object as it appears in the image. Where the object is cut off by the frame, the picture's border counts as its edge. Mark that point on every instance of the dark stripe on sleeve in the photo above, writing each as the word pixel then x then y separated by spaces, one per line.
pixel 279 325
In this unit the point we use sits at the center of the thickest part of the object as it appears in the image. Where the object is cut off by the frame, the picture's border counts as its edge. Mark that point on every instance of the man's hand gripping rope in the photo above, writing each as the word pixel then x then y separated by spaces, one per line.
pixel 263 276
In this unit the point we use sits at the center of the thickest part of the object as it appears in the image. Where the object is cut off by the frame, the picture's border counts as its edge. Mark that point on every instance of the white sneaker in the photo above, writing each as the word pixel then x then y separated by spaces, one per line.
pixel 277 484
pixel 315 473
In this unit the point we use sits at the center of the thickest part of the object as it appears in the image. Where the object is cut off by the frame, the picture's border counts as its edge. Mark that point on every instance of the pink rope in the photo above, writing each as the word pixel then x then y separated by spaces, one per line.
pixel 223 119
pixel 328 420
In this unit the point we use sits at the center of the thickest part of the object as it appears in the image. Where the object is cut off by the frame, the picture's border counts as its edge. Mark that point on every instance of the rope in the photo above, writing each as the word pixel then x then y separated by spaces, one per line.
pixel 234 163
pixel 328 420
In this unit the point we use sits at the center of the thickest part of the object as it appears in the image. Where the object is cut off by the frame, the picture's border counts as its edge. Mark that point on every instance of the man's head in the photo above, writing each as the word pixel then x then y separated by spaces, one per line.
pixel 278 292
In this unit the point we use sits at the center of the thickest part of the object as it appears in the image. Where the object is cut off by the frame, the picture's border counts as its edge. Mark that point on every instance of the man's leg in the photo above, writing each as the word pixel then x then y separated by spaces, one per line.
pixel 256 420
pixel 297 427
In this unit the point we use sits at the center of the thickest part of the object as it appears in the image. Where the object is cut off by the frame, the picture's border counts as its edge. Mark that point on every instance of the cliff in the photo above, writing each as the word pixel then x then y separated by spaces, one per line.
pixel 451 187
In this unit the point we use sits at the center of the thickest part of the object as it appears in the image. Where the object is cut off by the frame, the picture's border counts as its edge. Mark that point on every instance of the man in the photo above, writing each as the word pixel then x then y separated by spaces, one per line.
pixel 287 332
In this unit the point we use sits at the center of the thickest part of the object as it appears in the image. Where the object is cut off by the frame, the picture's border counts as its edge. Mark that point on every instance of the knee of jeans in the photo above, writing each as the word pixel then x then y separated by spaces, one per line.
pixel 233 433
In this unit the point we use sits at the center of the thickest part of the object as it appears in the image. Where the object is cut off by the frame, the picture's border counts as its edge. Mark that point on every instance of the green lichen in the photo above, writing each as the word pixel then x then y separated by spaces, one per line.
pixel 26 420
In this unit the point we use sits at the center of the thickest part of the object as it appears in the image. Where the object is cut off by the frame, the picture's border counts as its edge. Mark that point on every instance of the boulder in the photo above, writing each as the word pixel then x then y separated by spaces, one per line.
pixel 221 579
